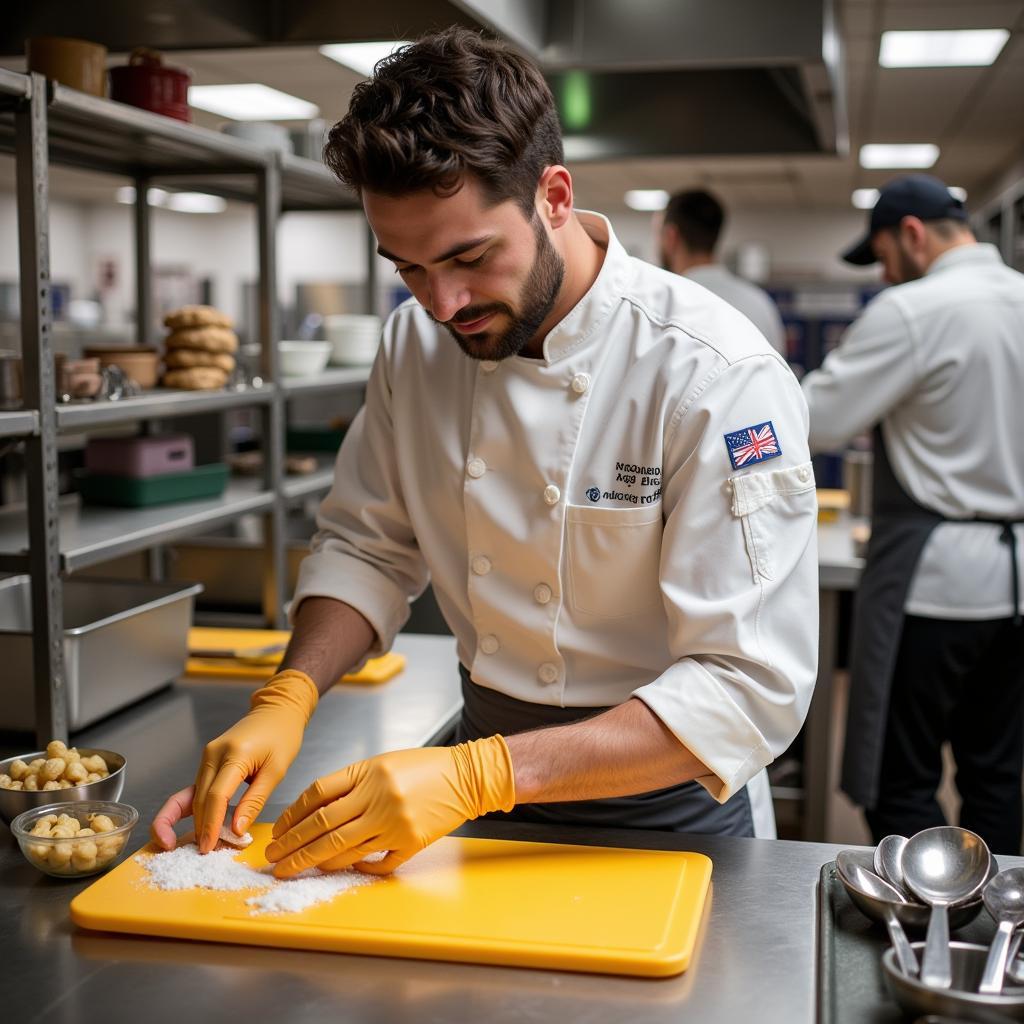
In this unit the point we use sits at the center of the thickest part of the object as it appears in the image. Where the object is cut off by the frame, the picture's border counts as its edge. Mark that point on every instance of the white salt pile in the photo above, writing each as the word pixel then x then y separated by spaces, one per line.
pixel 305 890
pixel 186 868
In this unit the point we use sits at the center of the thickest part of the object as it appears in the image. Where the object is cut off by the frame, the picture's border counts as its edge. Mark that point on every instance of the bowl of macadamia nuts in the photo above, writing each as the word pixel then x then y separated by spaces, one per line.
pixel 60 773
pixel 77 839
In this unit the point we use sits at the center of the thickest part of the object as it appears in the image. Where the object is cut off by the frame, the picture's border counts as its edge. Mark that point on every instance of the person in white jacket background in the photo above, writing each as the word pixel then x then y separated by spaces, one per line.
pixel 601 467
pixel 935 365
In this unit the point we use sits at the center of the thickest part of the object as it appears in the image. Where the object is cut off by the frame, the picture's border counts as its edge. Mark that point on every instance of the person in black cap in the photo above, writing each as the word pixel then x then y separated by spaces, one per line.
pixel 936 366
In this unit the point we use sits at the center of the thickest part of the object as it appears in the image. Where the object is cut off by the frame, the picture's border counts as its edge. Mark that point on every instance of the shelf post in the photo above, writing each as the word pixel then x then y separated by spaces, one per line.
pixel 32 170
pixel 143 270
pixel 268 209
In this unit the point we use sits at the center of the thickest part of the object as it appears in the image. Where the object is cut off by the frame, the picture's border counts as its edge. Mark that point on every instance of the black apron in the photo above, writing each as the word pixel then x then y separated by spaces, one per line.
pixel 685 808
pixel 900 528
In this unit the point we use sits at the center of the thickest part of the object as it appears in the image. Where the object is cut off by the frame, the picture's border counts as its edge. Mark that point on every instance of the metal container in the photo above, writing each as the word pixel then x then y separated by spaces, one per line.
pixel 857 468
pixel 962 1001
pixel 16 801
pixel 122 640
pixel 913 916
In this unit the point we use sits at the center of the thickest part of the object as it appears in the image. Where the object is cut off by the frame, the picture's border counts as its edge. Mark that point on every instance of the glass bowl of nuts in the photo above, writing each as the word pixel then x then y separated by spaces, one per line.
pixel 58 773
pixel 72 840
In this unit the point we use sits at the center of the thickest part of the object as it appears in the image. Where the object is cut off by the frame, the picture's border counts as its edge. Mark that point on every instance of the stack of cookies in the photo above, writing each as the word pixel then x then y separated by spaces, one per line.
pixel 200 348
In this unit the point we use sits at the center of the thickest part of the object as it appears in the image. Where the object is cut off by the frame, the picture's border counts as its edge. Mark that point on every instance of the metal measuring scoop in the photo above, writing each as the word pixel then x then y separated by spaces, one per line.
pixel 887 862
pixel 1004 900
pixel 871 885
pixel 943 866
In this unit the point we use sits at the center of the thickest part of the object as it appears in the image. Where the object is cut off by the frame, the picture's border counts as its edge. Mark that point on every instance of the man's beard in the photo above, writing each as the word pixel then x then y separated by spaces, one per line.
pixel 540 293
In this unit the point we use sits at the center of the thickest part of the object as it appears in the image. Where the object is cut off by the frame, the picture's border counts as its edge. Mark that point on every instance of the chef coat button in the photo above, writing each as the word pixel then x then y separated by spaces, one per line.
pixel 488 366
pixel 481 565
pixel 581 383
pixel 476 468
pixel 552 494
pixel 542 593
pixel 548 673
pixel 489 644
pixel 804 473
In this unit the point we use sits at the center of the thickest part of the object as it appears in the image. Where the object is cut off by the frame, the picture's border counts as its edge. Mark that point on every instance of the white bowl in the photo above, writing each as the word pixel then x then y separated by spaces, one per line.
pixel 303 358
pixel 354 338
pixel 260 133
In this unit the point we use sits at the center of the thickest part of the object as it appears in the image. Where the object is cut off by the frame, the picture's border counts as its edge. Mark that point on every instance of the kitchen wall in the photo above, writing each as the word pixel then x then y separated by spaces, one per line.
pixel 800 244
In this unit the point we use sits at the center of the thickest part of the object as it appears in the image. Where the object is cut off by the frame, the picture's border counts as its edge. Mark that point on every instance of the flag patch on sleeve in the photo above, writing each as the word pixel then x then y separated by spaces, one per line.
pixel 752 444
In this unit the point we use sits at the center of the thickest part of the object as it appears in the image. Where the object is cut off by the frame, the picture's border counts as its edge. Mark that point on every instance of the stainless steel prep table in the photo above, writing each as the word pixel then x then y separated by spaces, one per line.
pixel 755 959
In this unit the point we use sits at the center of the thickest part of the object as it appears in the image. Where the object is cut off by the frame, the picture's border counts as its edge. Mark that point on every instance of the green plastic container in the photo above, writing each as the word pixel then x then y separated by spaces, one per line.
pixel 314 439
pixel 139 492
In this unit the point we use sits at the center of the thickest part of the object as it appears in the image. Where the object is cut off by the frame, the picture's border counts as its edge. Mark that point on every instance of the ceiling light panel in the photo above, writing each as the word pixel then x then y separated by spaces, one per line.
pixel 361 57
pixel 902 156
pixel 977 47
pixel 251 101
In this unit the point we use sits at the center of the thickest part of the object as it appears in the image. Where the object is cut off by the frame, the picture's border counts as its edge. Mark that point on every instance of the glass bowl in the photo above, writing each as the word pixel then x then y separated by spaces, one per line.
pixel 71 856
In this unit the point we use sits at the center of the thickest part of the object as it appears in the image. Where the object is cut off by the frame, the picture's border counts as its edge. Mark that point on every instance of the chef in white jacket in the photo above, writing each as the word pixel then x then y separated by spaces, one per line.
pixel 601 467
pixel 936 366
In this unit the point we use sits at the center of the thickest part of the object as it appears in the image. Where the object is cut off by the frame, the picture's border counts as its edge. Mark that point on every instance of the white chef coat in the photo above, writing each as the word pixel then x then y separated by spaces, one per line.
pixel 753 302
pixel 940 362
pixel 578 516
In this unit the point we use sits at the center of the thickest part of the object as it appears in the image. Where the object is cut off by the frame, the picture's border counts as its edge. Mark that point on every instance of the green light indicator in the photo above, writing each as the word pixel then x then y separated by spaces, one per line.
pixel 576 100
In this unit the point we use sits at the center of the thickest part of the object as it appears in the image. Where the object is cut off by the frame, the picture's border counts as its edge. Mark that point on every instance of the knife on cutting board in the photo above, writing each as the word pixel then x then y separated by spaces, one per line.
pixel 265 655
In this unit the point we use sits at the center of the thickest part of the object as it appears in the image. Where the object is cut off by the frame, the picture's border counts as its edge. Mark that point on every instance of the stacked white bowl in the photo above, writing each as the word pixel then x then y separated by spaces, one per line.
pixel 354 338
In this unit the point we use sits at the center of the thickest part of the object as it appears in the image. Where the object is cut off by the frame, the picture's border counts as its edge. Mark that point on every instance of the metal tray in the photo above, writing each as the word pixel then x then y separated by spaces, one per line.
pixel 122 640
pixel 851 989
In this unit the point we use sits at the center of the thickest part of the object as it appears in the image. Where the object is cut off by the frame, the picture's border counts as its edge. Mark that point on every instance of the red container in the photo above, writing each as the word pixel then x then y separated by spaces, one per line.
pixel 145 81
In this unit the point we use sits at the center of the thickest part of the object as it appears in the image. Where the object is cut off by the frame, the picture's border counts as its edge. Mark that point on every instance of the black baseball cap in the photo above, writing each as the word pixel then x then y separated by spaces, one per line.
pixel 913 195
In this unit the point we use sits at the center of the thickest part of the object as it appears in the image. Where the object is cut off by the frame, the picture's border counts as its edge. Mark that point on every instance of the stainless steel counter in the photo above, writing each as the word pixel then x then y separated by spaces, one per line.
pixel 755 958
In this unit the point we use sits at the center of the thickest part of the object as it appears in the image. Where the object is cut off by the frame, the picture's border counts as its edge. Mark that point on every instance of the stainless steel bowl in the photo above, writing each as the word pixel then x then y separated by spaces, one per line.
pixel 15 801
pixel 962 1000
pixel 913 916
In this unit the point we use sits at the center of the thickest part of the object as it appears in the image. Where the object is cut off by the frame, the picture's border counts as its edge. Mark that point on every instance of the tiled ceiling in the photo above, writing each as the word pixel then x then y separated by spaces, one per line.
pixel 976 115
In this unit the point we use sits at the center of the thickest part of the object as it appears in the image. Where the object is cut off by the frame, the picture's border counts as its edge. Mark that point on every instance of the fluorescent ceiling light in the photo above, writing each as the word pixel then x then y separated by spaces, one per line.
pixel 904 155
pixel 179 202
pixel 646 199
pixel 126 194
pixel 195 202
pixel 251 102
pixel 864 198
pixel 976 47
pixel 361 57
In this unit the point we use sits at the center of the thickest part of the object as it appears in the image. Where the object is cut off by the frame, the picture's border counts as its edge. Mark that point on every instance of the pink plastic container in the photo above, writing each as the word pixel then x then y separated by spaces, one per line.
pixel 140 457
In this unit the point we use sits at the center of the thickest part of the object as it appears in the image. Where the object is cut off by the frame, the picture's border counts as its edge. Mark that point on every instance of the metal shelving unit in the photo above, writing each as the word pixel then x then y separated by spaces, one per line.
pixel 42 123
pixel 298 488
pixel 159 404
pixel 329 380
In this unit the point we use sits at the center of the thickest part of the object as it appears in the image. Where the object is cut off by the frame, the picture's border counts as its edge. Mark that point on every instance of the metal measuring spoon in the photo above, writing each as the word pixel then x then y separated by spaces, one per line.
pixel 943 866
pixel 871 885
pixel 887 862
pixel 1004 900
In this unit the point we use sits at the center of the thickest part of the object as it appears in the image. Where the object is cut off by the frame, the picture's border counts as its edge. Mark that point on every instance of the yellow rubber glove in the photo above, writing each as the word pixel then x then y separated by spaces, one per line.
pixel 259 748
pixel 399 802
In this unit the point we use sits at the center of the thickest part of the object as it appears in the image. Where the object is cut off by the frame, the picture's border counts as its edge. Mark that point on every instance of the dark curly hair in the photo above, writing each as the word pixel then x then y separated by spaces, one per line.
pixel 451 104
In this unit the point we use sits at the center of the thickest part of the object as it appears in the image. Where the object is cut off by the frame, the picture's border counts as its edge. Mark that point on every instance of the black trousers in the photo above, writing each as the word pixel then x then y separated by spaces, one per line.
pixel 960 682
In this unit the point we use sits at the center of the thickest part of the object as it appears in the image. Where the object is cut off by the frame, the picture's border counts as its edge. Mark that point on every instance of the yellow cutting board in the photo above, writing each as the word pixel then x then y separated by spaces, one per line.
pixel 488 901
pixel 376 670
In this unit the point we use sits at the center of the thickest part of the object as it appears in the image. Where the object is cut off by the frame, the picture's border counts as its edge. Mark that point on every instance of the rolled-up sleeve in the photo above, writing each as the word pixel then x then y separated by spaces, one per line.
pixel 739 576
pixel 365 552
